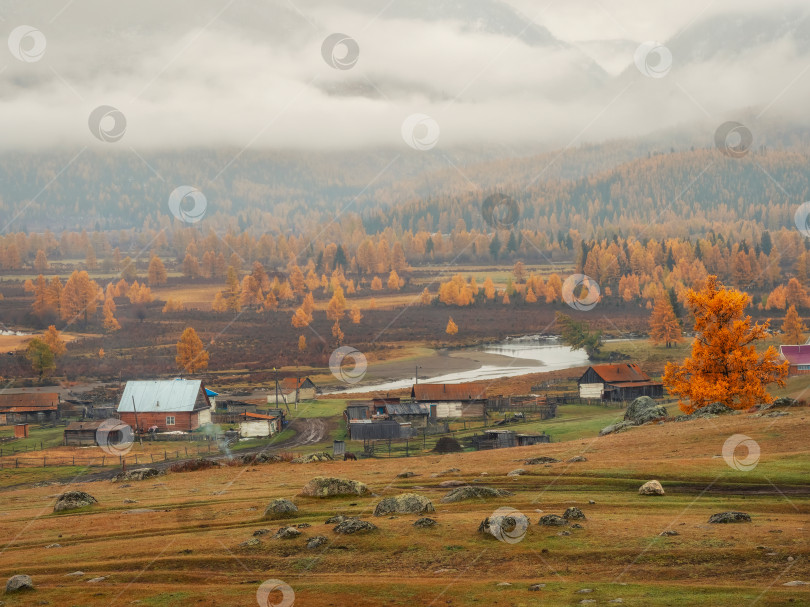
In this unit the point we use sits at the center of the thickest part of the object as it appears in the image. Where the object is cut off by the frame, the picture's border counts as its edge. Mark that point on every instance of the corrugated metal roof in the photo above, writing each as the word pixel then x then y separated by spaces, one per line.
pixel 160 396
pixel 37 401
pixel 620 372
pixel 633 384
pixel 75 426
pixel 407 409
pixel 796 355
pixel 442 392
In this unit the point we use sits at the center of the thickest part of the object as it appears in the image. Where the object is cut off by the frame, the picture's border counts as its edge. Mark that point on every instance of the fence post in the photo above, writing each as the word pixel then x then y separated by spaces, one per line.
pixel 44 459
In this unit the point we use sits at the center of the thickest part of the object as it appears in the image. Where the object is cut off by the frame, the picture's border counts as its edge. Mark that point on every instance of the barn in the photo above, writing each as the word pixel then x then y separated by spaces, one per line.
pixel 624 381
pixel 169 405
pixel 256 425
pixel 28 407
pixel 82 434
pixel 291 387
pixel 452 400
pixel 798 357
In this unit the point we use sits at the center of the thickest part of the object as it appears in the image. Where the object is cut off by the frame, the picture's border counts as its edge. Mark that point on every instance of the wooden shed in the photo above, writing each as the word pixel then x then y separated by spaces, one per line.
pixel 624 381
pixel 83 434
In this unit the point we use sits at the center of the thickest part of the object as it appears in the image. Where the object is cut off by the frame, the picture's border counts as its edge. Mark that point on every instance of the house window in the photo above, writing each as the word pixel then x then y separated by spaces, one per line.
pixel 803 367
pixel 169 420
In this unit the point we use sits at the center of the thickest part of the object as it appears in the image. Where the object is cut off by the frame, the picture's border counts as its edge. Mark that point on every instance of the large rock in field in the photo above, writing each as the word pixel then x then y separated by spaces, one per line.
pixel 354 525
pixel 711 410
pixel 552 520
pixel 287 533
pixel 617 427
pixel 71 500
pixel 643 410
pixel 280 508
pixel 730 517
pixel 261 458
pixel 543 459
pixel 407 503
pixel 313 457
pixel 323 486
pixel 16 583
pixel 651 488
pixel 573 514
pixel 466 493
pixel 139 474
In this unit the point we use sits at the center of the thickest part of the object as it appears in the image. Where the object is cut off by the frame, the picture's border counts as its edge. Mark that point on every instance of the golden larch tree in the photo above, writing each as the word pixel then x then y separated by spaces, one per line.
pixel 452 327
pixel 191 356
pixel 425 298
pixel 356 315
pixel 394 281
pixel 156 272
pixel 376 284
pixel 302 343
pixel 53 338
pixel 337 333
pixel 793 329
pixel 78 298
pixel 664 326
pixel 337 305
pixel 724 366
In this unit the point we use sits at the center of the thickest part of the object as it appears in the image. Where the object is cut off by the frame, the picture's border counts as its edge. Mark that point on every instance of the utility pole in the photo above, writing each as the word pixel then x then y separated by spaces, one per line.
pixel 135 411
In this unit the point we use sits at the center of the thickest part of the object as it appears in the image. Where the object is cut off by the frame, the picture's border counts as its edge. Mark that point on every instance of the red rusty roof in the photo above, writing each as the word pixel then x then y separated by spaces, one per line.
pixel 440 392
pixel 20 402
pixel 291 383
pixel 257 415
pixel 796 355
pixel 621 372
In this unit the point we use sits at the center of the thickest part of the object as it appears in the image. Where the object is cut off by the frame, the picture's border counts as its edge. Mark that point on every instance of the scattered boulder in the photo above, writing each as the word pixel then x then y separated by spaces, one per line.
pixel 287 533
pixel 54 546
pixel 796 583
pixel 651 488
pixel 140 474
pixel 17 583
pixel 509 527
pixel 260 532
pixel 448 471
pixel 776 414
pixel 552 520
pixel 577 458
pixel 323 456
pixel 708 412
pixel 354 525
pixel 407 503
pixel 75 574
pixel 536 587
pixel 517 472
pixel 316 542
pixel 251 542
pixel 96 580
pixel 261 458
pixel 406 474
pixel 543 459
pixel 322 486
pixel 643 410
pixel 730 517
pixel 464 493
pixel 785 401
pixel 668 532
pixel 452 484
pixel 334 520
pixel 617 427
pixel 573 514
pixel 424 523
pixel 71 500
pixel 280 508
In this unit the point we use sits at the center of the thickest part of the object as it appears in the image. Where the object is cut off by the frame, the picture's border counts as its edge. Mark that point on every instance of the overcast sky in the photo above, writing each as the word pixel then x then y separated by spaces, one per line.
pixel 241 73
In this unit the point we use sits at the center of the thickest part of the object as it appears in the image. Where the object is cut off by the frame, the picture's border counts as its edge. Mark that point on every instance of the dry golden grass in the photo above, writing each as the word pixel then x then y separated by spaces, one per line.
pixel 12 343
pixel 186 548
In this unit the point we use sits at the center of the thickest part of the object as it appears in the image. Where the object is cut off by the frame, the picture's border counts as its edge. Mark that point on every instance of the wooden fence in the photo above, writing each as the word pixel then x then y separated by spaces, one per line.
pixel 136 459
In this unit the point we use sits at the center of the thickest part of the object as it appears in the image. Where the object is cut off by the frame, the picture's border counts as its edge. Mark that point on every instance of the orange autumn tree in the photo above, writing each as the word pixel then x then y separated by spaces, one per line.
pixel 664 327
pixel 724 366
pixel 452 328
pixel 793 328
pixel 191 356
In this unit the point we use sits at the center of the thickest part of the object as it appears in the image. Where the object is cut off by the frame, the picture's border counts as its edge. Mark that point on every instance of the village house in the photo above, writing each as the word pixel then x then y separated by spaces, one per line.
pixel 28 407
pixel 168 405
pixel 798 357
pixel 452 400
pixel 625 381
pixel 293 389
pixel 82 434
pixel 257 425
